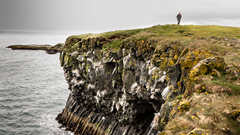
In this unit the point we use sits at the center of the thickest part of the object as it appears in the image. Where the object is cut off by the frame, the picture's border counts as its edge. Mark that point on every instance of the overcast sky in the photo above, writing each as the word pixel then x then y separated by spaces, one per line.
pixel 107 15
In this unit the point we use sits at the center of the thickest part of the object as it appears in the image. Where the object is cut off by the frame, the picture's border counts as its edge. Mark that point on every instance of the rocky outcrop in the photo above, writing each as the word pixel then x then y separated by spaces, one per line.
pixel 129 90
pixel 48 48
pixel 115 85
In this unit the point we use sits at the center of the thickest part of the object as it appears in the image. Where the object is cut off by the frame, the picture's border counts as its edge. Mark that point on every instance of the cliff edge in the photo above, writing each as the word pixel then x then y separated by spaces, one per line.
pixel 167 79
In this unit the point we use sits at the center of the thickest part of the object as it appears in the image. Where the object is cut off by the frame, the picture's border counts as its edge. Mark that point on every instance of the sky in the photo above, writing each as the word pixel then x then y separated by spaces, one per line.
pixel 93 16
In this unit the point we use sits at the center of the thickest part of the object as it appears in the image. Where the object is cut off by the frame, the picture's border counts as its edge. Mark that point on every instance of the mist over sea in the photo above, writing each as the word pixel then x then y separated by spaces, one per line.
pixel 33 89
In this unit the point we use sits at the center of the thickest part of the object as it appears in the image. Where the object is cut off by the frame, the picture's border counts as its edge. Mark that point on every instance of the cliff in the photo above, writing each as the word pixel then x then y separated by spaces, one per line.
pixel 161 80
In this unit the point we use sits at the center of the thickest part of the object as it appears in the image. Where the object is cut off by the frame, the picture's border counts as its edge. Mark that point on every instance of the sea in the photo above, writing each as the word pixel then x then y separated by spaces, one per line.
pixel 33 90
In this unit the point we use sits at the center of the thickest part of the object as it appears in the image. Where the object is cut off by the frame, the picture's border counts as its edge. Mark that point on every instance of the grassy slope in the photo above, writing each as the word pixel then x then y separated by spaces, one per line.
pixel 220 40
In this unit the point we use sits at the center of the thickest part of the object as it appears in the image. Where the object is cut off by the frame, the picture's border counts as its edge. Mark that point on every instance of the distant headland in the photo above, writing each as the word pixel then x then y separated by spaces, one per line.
pixel 48 48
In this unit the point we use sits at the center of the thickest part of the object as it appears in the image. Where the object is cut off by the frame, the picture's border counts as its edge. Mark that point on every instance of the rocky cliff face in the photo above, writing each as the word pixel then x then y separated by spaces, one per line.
pixel 129 90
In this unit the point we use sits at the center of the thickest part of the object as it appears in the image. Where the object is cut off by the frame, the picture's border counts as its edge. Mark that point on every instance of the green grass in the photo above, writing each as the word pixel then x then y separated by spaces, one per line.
pixel 113 45
pixel 234 87
pixel 107 35
pixel 186 34
pixel 83 35
pixel 234 125
pixel 224 81
pixel 125 33
pixel 174 30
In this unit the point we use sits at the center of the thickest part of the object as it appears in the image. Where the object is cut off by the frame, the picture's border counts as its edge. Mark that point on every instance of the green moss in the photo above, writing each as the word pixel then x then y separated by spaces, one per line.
pixel 87 67
pixel 74 66
pixel 70 61
pixel 179 97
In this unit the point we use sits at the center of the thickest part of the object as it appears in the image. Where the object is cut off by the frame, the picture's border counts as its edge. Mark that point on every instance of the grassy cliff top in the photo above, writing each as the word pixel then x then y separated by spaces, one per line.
pixel 176 31
pixel 221 40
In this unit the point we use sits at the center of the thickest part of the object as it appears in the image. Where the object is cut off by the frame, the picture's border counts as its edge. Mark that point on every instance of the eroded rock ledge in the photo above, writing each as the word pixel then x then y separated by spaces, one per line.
pixel 129 90
pixel 48 48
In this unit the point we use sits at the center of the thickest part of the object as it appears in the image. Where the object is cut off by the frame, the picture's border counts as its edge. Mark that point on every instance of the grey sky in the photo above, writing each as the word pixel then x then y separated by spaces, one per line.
pixel 105 15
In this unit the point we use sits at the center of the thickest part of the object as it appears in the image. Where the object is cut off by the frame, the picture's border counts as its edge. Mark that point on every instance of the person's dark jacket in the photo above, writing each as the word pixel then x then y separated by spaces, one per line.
pixel 179 16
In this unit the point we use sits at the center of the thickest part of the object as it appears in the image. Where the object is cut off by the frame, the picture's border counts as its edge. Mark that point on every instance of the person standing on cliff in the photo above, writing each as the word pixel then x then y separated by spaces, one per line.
pixel 179 16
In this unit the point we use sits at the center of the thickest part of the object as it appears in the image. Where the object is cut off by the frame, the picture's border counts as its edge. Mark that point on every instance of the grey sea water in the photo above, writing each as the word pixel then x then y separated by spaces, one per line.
pixel 33 89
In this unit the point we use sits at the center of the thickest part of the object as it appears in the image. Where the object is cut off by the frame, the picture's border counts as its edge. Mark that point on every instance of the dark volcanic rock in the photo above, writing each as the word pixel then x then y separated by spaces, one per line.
pixel 121 87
